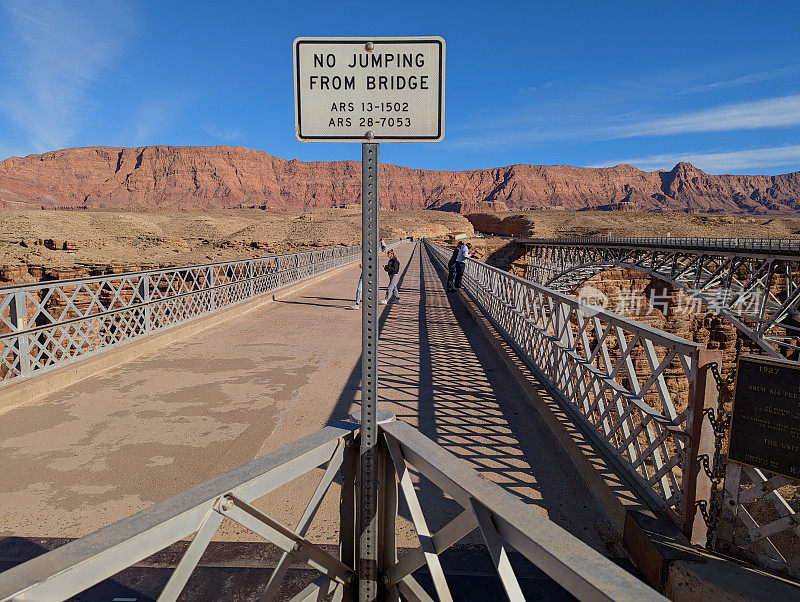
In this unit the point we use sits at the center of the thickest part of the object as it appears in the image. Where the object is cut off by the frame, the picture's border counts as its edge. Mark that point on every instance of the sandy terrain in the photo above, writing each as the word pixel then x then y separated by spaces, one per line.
pixel 550 223
pixel 62 244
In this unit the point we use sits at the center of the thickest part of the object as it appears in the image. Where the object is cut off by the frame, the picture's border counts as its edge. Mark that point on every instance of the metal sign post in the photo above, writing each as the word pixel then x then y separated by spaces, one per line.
pixel 369 91
pixel 368 516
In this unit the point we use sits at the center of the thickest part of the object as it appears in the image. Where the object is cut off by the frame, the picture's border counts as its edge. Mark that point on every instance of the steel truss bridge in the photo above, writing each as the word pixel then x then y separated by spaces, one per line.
pixel 752 283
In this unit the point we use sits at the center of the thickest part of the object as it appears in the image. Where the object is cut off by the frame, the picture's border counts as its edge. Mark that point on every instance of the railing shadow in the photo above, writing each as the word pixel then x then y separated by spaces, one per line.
pixel 437 372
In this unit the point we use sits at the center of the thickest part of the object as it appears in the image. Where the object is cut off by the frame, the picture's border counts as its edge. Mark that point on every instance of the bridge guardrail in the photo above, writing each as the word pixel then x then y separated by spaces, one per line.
pixel 772 245
pixel 48 324
pixel 502 519
pixel 640 392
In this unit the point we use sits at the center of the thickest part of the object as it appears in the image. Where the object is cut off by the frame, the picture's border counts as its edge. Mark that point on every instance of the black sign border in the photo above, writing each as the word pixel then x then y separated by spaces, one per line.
pixel 771 361
pixel 376 42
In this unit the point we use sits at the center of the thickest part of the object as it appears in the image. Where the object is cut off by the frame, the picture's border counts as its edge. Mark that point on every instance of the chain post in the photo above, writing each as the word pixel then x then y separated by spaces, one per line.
pixel 703 398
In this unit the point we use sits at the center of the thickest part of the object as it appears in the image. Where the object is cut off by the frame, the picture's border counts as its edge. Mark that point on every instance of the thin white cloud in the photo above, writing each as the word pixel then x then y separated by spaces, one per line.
pixel 777 112
pixel 539 88
pixel 224 135
pixel 54 52
pixel 724 162
pixel 783 111
pixel 750 78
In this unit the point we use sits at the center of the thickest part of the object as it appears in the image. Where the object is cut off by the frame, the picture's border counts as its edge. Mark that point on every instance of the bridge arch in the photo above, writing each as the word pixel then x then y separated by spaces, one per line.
pixel 756 291
pixel 571 279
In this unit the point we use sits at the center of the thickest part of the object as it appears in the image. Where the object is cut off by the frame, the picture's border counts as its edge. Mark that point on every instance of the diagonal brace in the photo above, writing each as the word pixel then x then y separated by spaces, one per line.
pixel 276 532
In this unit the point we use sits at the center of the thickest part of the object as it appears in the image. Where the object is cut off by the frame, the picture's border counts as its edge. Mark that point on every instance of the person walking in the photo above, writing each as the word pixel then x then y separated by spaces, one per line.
pixel 360 288
pixel 461 263
pixel 383 245
pixel 393 269
pixel 451 267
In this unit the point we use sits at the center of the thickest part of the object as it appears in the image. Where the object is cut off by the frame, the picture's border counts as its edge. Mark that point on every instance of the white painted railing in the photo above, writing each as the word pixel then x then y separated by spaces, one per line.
pixel 501 518
pixel 48 324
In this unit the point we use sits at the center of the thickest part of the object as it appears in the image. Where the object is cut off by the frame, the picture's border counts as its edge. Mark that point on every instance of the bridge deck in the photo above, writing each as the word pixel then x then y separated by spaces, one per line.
pixel 143 431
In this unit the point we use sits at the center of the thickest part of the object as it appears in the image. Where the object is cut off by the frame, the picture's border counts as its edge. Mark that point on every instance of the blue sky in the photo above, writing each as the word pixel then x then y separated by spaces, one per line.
pixel 578 83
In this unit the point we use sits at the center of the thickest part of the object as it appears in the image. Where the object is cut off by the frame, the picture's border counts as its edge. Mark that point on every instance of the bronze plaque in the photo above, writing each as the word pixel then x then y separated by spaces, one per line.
pixel 765 431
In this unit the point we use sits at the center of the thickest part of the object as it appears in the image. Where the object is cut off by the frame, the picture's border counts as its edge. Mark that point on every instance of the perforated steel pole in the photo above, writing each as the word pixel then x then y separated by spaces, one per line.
pixel 368 503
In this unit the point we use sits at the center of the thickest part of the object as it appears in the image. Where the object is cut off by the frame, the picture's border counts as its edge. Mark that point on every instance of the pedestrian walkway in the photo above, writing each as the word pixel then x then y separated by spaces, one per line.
pixel 113 444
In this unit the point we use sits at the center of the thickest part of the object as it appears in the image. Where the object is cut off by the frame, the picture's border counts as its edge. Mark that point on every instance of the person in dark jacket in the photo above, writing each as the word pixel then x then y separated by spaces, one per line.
pixel 393 269
pixel 451 267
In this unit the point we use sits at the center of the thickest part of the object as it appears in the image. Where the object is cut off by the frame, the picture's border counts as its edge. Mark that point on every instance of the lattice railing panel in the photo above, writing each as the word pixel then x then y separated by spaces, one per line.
pixel 46 324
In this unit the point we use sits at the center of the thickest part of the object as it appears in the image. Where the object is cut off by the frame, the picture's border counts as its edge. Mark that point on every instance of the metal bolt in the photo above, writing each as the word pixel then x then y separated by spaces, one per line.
pixel 791 521
pixel 369 46
pixel 732 502
pixel 764 487
pixel 227 504
pixel 297 547
pixel 369 135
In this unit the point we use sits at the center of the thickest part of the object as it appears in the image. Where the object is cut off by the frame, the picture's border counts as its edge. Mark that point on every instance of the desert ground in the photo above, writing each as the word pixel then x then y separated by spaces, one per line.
pixel 36 244
pixel 548 223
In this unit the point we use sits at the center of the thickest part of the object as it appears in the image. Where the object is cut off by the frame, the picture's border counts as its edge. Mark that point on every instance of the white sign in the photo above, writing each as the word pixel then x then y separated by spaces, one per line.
pixel 369 90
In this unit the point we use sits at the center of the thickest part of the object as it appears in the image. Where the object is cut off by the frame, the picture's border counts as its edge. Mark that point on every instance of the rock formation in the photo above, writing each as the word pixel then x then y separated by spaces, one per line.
pixel 233 177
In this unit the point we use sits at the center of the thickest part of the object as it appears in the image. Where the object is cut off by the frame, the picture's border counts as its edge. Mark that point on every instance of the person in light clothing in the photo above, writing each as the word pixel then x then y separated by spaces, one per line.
pixel 393 269
pixel 359 288
pixel 461 263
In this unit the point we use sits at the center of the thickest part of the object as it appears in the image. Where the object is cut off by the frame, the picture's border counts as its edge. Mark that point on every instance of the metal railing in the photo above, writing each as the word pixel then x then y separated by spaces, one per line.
pixel 640 392
pixel 48 324
pixel 503 520
pixel 759 245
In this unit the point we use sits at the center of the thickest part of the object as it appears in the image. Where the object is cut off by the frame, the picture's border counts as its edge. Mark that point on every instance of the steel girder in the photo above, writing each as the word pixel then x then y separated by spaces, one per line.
pixel 758 292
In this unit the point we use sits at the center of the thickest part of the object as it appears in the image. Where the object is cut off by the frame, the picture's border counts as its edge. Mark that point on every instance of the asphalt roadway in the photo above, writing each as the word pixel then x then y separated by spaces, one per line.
pixel 115 443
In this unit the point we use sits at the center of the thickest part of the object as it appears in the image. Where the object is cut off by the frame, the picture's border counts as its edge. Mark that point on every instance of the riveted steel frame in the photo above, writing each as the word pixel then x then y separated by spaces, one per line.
pixel 48 324
pixel 503 520
pixel 754 284
pixel 610 373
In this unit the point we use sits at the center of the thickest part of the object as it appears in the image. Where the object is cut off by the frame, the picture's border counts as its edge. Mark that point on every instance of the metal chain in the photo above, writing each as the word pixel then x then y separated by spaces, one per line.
pixel 720 422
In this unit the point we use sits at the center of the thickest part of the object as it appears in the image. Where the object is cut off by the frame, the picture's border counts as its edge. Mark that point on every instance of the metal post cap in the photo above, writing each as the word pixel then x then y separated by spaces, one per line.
pixel 383 416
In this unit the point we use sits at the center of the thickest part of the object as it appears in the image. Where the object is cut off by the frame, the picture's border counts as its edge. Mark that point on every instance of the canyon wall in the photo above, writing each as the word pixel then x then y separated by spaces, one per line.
pixel 235 177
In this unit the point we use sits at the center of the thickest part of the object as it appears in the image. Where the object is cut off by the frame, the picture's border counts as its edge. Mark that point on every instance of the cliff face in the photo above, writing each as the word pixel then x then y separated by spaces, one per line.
pixel 232 177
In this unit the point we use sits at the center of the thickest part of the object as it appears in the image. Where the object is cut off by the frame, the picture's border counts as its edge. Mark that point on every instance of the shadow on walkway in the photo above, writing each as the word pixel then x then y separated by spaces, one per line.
pixel 438 373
